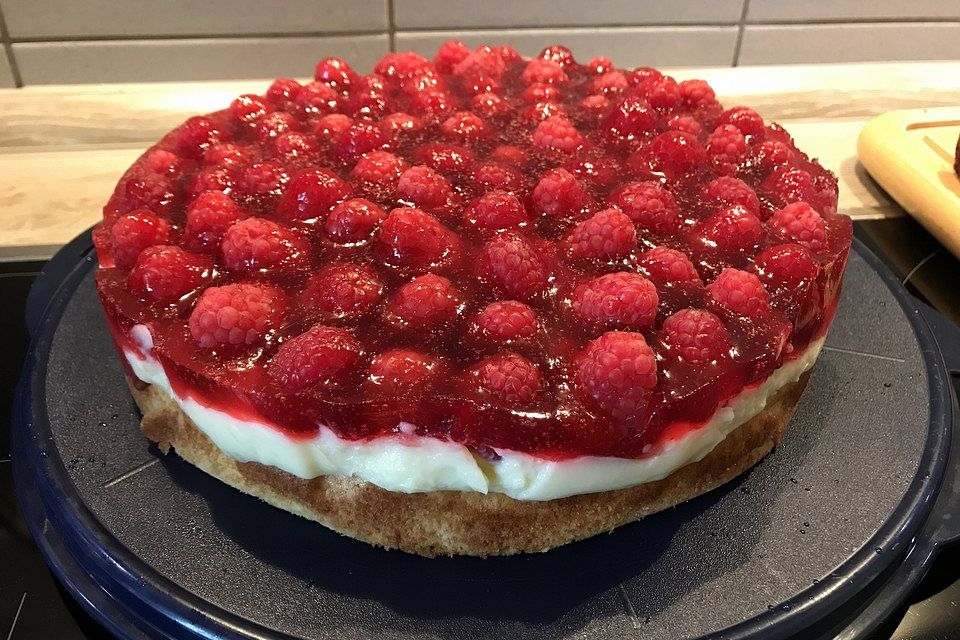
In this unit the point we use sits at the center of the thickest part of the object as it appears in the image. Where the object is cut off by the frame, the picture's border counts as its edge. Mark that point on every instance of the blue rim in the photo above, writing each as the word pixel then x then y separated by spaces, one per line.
pixel 139 600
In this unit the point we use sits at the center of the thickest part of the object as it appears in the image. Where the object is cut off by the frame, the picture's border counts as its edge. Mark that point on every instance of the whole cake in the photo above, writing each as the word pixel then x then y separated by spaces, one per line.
pixel 479 305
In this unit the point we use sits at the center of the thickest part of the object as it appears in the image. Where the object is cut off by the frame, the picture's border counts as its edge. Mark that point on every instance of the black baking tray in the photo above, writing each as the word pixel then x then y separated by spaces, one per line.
pixel 825 537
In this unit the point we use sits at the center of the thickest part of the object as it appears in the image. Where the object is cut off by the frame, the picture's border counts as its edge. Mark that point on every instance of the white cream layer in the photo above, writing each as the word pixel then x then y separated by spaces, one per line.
pixel 409 463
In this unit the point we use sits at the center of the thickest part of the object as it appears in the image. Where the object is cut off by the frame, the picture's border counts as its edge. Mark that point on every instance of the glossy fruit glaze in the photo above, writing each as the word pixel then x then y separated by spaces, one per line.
pixel 505 252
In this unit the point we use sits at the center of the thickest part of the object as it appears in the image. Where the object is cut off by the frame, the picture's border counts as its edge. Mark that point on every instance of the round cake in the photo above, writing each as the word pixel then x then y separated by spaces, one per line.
pixel 479 305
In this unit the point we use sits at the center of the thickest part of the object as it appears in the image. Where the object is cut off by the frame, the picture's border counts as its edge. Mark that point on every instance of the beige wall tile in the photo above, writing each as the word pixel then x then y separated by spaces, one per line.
pixel 70 18
pixel 850 43
pixel 6 75
pixel 431 14
pixel 852 10
pixel 630 47
pixel 161 60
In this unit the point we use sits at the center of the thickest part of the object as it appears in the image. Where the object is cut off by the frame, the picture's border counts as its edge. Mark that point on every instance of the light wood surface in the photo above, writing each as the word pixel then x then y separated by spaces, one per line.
pixel 62 148
pixel 911 153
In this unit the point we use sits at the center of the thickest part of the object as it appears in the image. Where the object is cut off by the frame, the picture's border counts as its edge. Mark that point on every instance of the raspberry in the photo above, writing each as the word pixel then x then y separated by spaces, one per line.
pixel 511 264
pixel 675 153
pixel 609 84
pixel 620 299
pixel 211 179
pixel 449 55
pixel 402 66
pixel 745 119
pixel 685 123
pixel 248 108
pixel 696 93
pixel 559 194
pixel 164 163
pixel 133 233
pixel 483 62
pixel 509 155
pixel 496 210
pixel 236 314
pixel 733 230
pixel 343 290
pixel 329 127
pixel 404 371
pixel 226 155
pixel 497 177
pixel 415 240
pixel 557 133
pixel 771 154
pixel 464 127
pixel 423 187
pixel 632 118
pixel 433 104
pixel 335 72
pixel 208 217
pixel 791 185
pixel 368 104
pixel 282 90
pixel 608 234
pixel 599 65
pixel 164 273
pixel 320 355
pixel 641 75
pixel 593 109
pixel 294 145
pixel 509 377
pixel 506 321
pixel 618 372
pixel 726 191
pixel 317 98
pixel 425 302
pixel 545 71
pixel 802 224
pixel 273 125
pixel 664 265
pixel 256 245
pixel 360 138
pixel 559 54
pixel 153 192
pixel 195 135
pixel 661 92
pixel 353 220
pixel 489 105
pixel 726 146
pixel 539 92
pixel 541 111
pixel 263 179
pixel 445 158
pixel 397 125
pixel 649 205
pixel 739 292
pixel 696 337
pixel 378 171
pixel 787 264
pixel 310 194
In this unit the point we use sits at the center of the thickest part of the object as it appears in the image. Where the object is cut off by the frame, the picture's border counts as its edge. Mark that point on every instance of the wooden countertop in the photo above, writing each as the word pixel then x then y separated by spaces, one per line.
pixel 62 148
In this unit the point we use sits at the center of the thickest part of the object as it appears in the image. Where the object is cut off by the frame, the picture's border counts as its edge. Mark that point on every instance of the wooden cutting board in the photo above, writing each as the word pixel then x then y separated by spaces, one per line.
pixel 911 154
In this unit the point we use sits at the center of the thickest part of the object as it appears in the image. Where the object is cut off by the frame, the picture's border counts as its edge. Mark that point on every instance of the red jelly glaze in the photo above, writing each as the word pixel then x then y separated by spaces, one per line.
pixel 559 420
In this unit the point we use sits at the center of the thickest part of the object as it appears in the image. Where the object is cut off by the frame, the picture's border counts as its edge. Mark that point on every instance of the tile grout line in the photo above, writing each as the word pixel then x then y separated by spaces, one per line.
pixel 741 27
pixel 16 616
pixel 8 49
pixel 264 35
pixel 129 474
pixel 391 25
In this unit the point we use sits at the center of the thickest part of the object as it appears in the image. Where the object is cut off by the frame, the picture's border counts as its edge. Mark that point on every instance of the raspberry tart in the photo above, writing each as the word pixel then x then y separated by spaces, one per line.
pixel 480 304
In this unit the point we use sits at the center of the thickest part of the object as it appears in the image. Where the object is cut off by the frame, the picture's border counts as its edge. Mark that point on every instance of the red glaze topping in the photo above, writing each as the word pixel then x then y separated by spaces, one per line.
pixel 537 255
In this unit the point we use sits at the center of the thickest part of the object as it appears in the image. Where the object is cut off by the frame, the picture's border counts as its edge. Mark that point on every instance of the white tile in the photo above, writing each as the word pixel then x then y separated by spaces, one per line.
pixel 6 75
pixel 850 43
pixel 470 14
pixel 627 46
pixel 208 59
pixel 851 10
pixel 72 18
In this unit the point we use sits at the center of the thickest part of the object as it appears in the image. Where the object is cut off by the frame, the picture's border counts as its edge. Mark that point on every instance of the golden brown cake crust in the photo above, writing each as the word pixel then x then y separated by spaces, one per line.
pixel 468 523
